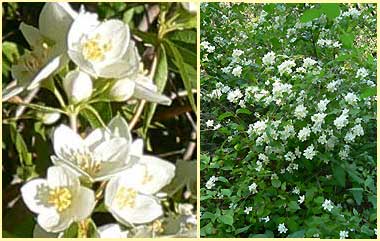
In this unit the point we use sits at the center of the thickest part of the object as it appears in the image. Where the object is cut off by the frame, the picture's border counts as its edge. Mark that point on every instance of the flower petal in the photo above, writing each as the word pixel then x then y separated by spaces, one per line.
pixel 112 230
pixel 146 209
pixel 122 90
pixel 144 93
pixel 137 148
pixel 158 174
pixel 39 232
pixel 8 93
pixel 45 72
pixel 35 193
pixel 51 221
pixel 95 138
pixel 119 128
pixel 31 34
pixel 72 166
pixel 111 151
pixel 59 176
pixel 66 140
pixel 84 204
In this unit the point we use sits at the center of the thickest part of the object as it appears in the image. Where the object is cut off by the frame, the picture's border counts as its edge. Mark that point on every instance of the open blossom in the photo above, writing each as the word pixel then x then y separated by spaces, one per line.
pixel 300 112
pixel 59 200
pixel 48 45
pixel 343 234
pixel 308 62
pixel 282 228
pixel 286 67
pixel 237 52
pixel 309 152
pixel 112 230
pixel 265 219
pixel 342 120
pixel 209 123
pixel 102 154
pixel 328 205
pixel 269 58
pixel 129 196
pixel 322 105
pixel 211 182
pixel 234 95
pixel 351 98
pixel 301 199
pixel 304 133
pixel 253 188
pixel 247 210
pixel 237 71
pixel 361 73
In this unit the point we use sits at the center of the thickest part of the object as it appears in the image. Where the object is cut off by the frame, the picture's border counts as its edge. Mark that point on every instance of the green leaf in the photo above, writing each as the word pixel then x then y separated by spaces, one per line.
pixel 339 175
pixel 367 92
pixel 183 72
pixel 185 36
pixel 160 79
pixel 267 234
pixel 92 116
pixel 226 192
pixel 298 234
pixel 128 15
pixel 310 14
pixel 225 115
pixel 147 37
pixel 332 10
pixel 269 7
pixel 10 51
pixel 24 155
pixel 293 206
pixel 347 40
pixel 227 219
pixel 71 232
pixel 244 111
pixel 276 183
pixel 358 194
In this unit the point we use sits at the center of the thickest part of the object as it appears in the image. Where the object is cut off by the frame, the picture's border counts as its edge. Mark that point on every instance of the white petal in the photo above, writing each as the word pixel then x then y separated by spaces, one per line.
pixel 112 230
pixel 31 34
pixel 96 137
pixel 52 222
pixel 122 90
pixel 39 232
pixel 84 204
pixel 72 166
pixel 10 92
pixel 146 209
pixel 54 22
pixel 127 66
pixel 159 173
pixel 84 65
pixel 45 72
pixel 111 190
pixel 119 128
pixel 144 93
pixel 137 147
pixel 65 139
pixel 77 85
pixel 84 23
pixel 111 150
pixel 35 193
pixel 59 176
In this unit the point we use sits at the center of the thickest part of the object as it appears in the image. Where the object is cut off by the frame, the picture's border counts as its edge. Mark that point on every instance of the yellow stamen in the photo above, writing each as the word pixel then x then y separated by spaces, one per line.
pixel 93 50
pixel 125 197
pixel 60 198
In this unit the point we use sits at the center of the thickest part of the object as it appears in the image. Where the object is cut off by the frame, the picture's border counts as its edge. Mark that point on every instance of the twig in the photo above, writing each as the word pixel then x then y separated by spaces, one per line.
pixel 190 147
pixel 21 109
pixel 172 153
pixel 182 93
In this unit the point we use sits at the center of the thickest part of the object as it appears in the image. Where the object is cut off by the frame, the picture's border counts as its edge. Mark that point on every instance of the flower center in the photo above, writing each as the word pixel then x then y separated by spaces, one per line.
pixel 60 198
pixel 125 197
pixel 94 49
pixel 87 163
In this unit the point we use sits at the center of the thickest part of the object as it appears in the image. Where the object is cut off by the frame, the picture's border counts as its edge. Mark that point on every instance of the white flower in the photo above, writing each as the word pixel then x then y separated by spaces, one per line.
pixel 48 45
pixel 301 199
pixel 341 121
pixel 286 67
pixel 102 49
pixel 217 126
pixel 308 62
pixel 205 44
pixel 253 188
pixel 282 228
pixel 322 105
pixel 257 128
pixel 351 98
pixel 211 182
pixel 247 210
pixel 265 219
pixel 129 195
pixel 309 152
pixel 322 139
pixel 59 200
pixel 304 133
pixel 237 52
pixel 269 58
pixel 328 205
pixel 102 154
pixel 234 96
pixel 300 112
pixel 343 234
pixel 77 85
pixel 296 191
pixel 361 73
pixel 185 209
pixel 112 230
pixel 190 6
pixel 375 230
pixel 209 123
pixel 237 71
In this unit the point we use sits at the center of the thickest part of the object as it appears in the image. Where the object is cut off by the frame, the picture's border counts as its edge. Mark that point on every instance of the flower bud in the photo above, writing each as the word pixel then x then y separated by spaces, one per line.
pixel 50 118
pixel 78 86
pixel 122 90
pixel 191 7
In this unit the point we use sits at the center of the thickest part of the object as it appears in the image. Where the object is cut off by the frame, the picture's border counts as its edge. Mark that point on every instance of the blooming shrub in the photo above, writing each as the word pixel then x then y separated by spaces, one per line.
pixel 288 121
pixel 85 153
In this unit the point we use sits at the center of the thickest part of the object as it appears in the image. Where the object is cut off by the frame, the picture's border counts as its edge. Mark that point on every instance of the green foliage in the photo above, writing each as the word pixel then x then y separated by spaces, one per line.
pixel 244 118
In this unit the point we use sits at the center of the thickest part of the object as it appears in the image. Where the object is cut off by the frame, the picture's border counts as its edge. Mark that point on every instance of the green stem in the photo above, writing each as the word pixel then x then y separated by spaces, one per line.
pixel 73 121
